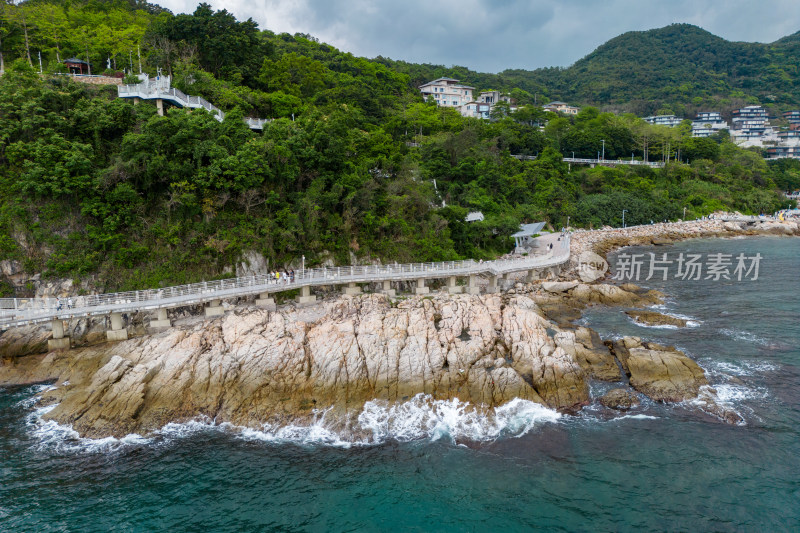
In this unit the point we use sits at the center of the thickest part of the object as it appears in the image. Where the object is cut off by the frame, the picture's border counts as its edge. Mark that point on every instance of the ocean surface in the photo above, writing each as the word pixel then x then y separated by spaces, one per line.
pixel 444 466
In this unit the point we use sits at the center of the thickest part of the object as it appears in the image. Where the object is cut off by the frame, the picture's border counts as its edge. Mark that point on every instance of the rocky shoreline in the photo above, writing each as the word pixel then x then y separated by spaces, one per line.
pixel 252 367
pixel 604 241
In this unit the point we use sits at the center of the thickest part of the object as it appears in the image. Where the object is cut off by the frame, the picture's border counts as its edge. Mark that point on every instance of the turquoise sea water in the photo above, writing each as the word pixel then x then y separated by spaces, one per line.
pixel 444 468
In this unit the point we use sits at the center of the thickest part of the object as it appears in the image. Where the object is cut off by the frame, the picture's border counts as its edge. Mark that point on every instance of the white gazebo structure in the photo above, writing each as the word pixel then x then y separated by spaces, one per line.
pixel 524 237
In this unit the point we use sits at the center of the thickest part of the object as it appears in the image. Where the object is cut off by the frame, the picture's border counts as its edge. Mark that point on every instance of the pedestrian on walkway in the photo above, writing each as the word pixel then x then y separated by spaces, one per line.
pixel 69 303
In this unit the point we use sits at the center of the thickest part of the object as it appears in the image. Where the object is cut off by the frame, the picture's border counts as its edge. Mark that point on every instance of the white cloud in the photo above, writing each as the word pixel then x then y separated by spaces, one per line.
pixel 492 35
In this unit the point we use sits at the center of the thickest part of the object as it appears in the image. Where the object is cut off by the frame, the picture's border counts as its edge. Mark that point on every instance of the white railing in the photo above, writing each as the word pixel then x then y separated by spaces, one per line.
pixel 21 311
pixel 654 164
pixel 152 91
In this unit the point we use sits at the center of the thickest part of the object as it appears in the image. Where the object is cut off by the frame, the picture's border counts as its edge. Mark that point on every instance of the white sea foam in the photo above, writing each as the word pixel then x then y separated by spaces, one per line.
pixel 741 368
pixel 650 326
pixel 318 432
pixel 61 438
pixel 741 335
pixel 30 402
pixel 639 416
pixel 729 394
pixel 425 418
pixel 421 417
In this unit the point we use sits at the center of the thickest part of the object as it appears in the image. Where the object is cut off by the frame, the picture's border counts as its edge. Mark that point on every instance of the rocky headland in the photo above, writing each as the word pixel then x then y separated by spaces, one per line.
pixel 254 366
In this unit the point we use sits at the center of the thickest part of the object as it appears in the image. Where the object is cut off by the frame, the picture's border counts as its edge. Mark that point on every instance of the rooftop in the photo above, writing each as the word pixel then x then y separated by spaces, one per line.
pixel 434 82
pixel 529 230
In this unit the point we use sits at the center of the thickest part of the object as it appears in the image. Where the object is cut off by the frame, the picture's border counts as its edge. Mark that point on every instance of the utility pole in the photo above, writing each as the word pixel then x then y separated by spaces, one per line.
pixel 27 45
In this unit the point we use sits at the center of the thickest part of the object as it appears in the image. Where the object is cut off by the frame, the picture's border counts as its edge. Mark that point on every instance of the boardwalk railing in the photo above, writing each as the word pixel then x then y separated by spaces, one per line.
pixel 148 91
pixel 611 162
pixel 21 311
pixel 653 164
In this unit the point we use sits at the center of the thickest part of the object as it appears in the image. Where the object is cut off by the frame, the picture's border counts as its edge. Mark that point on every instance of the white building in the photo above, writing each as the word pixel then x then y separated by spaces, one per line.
pixel 751 127
pixel 476 110
pixel 447 92
pixel 664 120
pixel 708 123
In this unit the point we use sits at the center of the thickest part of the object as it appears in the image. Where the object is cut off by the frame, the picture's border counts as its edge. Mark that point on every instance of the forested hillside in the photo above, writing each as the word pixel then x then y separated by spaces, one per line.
pixel 677 69
pixel 354 165
pixel 680 68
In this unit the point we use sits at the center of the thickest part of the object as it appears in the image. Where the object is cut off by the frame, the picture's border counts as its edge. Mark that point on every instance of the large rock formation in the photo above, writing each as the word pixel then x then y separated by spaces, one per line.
pixel 662 373
pixel 254 366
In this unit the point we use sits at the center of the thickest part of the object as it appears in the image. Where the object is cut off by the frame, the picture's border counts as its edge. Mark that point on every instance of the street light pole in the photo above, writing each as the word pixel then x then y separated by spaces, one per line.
pixel 304 266
pixel 604 149
pixel 684 213
pixel 623 217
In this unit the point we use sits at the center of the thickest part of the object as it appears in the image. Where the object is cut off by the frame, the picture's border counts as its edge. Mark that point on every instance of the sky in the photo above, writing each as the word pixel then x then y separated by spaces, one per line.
pixel 494 35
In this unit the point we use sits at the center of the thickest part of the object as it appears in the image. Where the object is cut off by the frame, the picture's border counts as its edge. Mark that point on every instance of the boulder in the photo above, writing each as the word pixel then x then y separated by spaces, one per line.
pixel 585 346
pixel 559 286
pixel 621 399
pixel 661 373
pixel 654 318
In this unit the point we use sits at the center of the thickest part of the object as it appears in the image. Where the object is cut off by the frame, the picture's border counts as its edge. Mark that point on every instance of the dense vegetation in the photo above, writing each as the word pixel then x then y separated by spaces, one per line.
pixel 355 164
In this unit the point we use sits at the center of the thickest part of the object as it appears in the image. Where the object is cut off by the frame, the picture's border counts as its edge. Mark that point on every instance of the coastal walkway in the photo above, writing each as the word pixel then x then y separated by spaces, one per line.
pixel 16 312
pixel 160 89
pixel 599 161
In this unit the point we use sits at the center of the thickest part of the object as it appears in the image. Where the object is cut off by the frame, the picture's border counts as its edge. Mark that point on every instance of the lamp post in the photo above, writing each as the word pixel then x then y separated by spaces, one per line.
pixel 623 217
pixel 604 150
pixel 684 213
pixel 304 267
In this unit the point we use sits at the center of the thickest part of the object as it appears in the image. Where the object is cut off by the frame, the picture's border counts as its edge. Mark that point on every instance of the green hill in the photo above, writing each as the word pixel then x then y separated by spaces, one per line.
pixel 679 65
pixel 679 68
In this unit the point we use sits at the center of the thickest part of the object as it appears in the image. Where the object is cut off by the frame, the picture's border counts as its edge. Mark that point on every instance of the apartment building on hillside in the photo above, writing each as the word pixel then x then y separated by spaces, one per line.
pixel 561 107
pixel 751 127
pixel 708 123
pixel 664 120
pixel 447 92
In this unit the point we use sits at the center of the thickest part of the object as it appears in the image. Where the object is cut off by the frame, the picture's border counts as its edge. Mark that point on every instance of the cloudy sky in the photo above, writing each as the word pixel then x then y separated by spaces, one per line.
pixel 493 35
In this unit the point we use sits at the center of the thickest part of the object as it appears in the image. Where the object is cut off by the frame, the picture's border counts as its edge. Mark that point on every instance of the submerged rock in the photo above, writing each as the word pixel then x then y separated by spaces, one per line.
pixel 621 399
pixel 654 318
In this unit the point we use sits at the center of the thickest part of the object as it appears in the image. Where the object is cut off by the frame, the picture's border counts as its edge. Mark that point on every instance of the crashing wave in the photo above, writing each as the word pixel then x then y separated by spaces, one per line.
pixel 420 418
